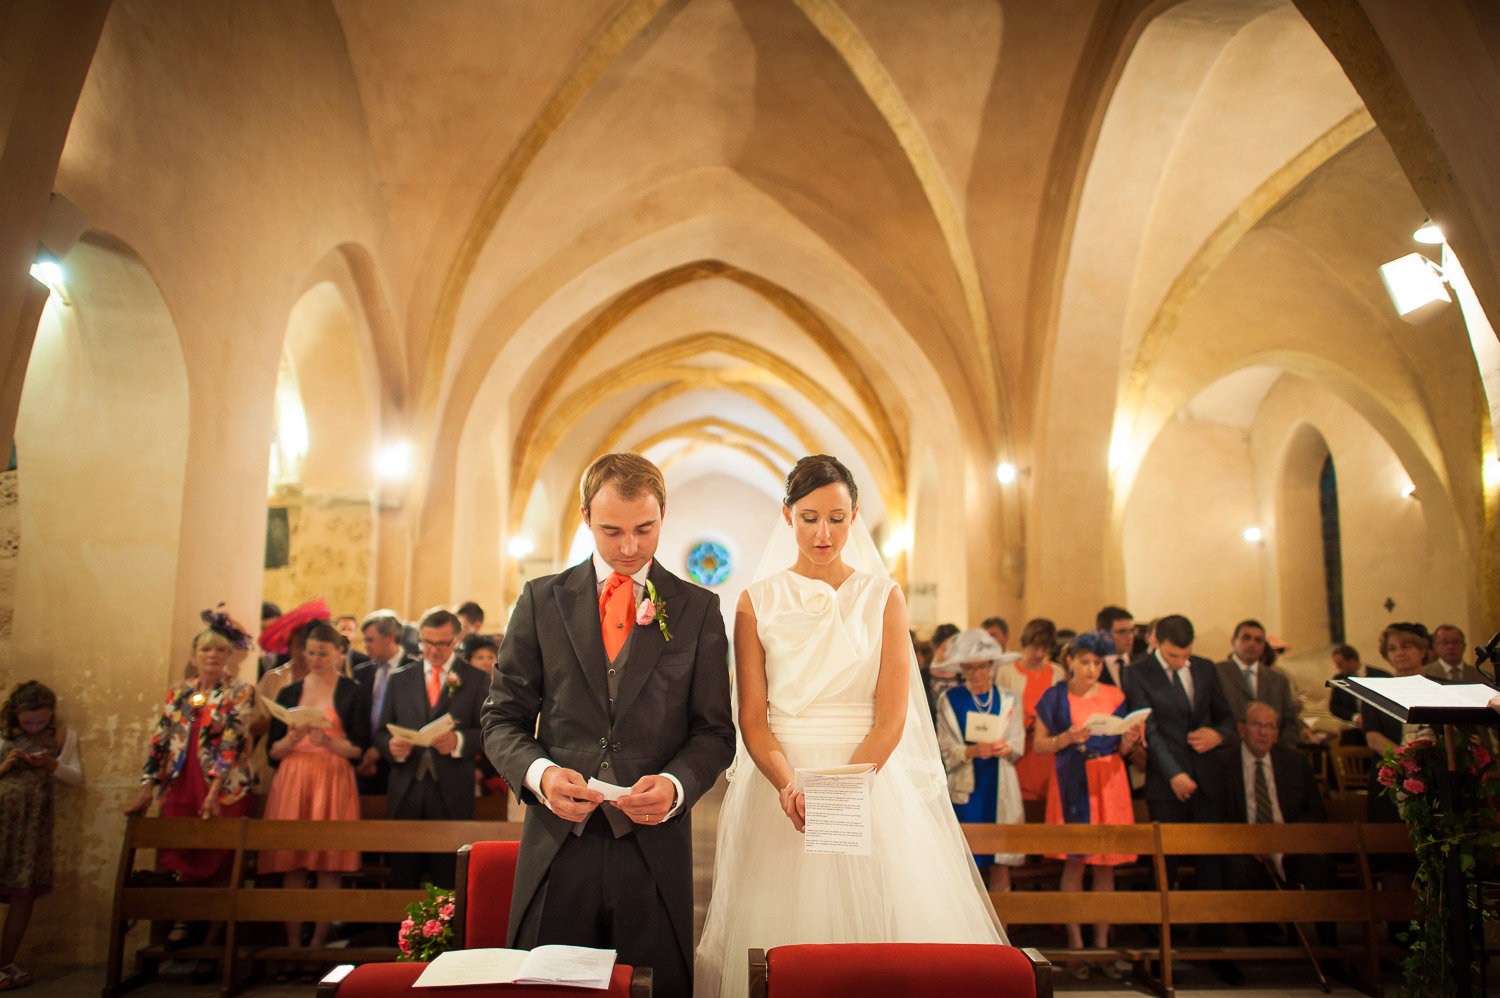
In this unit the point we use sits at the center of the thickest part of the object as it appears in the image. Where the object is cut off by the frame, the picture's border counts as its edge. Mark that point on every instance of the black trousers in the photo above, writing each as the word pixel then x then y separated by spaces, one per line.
pixel 599 892
pixel 1196 809
pixel 424 802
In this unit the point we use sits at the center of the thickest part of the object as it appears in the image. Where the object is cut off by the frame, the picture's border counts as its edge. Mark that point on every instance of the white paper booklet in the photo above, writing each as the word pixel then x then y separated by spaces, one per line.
pixel 568 966
pixel 1420 691
pixel 837 802
pixel 297 717
pixel 1113 724
pixel 428 734
pixel 982 728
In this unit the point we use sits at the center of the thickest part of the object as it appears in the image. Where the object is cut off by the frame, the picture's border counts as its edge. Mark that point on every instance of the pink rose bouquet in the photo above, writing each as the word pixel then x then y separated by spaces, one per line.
pixel 428 928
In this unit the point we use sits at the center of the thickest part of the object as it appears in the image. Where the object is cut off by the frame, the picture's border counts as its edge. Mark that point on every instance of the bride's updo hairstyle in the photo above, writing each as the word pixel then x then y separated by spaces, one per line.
pixel 812 473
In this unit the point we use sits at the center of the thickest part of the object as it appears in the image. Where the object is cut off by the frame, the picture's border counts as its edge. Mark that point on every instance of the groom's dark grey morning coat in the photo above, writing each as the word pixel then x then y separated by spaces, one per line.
pixel 671 715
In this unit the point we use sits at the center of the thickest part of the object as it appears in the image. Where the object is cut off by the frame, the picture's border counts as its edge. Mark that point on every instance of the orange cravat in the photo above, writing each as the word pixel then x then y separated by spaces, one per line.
pixel 434 687
pixel 616 604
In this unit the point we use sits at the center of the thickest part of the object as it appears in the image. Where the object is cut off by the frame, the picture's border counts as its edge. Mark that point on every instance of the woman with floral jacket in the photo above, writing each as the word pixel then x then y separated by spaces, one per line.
pixel 199 760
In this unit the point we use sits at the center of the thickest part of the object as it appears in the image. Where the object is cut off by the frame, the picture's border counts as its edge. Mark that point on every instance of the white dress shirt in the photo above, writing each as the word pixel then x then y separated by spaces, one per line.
pixel 1248 761
pixel 537 769
pixel 1186 672
pixel 443 670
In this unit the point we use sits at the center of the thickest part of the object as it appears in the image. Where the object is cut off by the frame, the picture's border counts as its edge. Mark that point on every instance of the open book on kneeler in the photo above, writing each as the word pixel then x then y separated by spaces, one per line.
pixel 1420 700
pixel 566 966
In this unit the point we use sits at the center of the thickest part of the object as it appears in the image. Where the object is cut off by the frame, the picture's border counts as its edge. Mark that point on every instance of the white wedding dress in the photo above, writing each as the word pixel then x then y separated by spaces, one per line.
pixel 919 884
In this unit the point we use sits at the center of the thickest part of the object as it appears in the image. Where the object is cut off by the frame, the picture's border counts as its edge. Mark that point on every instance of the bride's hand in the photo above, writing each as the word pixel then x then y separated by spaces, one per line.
pixel 794 804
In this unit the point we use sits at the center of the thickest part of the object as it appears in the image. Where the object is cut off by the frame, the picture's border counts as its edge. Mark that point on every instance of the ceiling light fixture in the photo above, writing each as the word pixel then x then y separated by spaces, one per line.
pixel 1253 535
pixel 393 462
pixel 1429 233
pixel 520 547
pixel 1006 473
pixel 46 269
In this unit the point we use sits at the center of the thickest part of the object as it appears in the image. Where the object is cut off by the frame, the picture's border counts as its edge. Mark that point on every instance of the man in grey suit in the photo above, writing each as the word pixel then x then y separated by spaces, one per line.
pixel 1245 676
pixel 617 670
pixel 435 782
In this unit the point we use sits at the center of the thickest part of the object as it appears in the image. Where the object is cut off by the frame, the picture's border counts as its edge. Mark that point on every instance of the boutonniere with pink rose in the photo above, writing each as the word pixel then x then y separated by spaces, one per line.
pixel 454 680
pixel 650 610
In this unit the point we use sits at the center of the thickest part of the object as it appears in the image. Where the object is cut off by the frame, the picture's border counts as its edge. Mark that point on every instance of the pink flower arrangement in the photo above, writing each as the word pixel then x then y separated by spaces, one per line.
pixel 1414 786
pixel 645 613
pixel 427 930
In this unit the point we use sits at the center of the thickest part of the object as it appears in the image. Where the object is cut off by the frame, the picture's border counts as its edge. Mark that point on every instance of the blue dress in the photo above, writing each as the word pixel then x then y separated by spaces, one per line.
pixel 983 803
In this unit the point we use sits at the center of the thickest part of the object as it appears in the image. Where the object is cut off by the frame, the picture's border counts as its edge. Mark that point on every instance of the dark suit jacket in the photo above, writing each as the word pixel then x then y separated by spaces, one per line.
pixel 364 675
pixel 1147 684
pixel 1296 786
pixel 1343 704
pixel 350 702
pixel 549 700
pixel 406 705
pixel 1106 677
pixel 1273 688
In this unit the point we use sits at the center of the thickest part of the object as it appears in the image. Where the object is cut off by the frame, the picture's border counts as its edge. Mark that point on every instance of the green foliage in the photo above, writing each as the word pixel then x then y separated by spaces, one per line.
pixel 428 929
pixel 1411 777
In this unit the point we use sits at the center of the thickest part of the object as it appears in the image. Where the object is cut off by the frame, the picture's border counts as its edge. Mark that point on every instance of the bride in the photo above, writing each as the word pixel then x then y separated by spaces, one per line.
pixel 826 676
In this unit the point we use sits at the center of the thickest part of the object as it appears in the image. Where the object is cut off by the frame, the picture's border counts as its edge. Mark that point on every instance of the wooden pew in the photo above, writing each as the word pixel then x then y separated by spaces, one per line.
pixel 1163 907
pixel 240 902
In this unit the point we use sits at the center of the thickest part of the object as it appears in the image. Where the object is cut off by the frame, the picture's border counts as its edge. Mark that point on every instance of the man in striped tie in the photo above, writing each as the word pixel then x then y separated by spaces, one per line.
pixel 1268 782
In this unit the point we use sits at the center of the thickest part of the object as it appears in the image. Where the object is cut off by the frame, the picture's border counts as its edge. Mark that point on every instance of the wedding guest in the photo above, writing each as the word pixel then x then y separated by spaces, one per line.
pixel 997 628
pixel 267 660
pixel 35 750
pixel 1029 677
pixel 436 782
pixel 982 774
pixel 1247 675
pixel 315 772
pixel 286 634
pixel 940 679
pixel 198 764
pixel 470 616
pixel 1120 624
pixel 1267 782
pixel 1408 648
pixel 382 632
pixel 1092 786
pixel 348 626
pixel 480 651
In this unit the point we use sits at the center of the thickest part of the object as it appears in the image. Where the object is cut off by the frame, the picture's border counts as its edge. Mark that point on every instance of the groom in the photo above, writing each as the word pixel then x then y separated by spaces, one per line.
pixel 614 669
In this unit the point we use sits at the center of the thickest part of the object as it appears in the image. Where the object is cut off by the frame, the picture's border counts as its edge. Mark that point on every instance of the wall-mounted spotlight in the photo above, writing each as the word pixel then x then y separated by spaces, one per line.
pixel 1416 287
pixel 1253 535
pixel 1408 490
pixel 1429 234
pixel 520 547
pixel 1491 471
pixel 393 461
pixel 1006 473
pixel 46 269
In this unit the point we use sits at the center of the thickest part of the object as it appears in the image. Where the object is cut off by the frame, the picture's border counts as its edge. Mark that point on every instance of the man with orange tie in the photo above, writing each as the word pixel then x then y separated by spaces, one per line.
pixel 435 782
pixel 615 670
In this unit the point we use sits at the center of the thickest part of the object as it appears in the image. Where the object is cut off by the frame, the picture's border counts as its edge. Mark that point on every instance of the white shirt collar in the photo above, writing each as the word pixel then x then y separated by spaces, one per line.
pixel 1242 664
pixel 1452 669
pixel 1250 760
pixel 602 571
pixel 427 666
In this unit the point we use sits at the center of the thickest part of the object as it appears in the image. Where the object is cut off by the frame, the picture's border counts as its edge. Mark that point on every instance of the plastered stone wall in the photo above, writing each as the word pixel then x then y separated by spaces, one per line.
pixel 330 556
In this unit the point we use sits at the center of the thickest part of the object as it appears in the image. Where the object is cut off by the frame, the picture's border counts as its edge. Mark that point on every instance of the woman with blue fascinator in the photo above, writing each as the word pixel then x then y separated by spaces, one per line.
pixel 1092 786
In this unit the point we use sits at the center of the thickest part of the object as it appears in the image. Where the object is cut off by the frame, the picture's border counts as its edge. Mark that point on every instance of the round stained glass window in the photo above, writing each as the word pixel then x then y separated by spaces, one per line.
pixel 708 563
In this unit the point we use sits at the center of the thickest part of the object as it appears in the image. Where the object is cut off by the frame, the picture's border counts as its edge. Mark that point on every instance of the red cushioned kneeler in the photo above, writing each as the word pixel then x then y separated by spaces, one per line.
pixel 394 980
pixel 860 970
pixel 486 907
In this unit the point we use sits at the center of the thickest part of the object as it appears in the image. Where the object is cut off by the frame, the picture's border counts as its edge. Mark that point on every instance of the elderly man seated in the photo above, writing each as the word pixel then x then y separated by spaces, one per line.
pixel 1267 782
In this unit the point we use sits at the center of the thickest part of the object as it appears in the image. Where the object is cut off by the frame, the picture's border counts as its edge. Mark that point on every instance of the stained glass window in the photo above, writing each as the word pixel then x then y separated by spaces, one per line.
pixel 708 563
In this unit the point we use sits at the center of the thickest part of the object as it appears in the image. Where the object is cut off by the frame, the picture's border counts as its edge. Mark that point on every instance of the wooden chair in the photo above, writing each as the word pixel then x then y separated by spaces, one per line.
pixel 916 970
pixel 1351 767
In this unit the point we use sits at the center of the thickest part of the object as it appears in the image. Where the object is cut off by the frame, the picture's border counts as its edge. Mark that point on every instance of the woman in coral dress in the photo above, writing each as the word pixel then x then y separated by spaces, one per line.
pixel 315 769
pixel 1028 678
pixel 1092 786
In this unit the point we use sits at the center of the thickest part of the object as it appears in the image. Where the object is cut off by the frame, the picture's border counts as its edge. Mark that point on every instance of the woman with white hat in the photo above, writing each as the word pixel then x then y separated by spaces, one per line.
pixel 981 734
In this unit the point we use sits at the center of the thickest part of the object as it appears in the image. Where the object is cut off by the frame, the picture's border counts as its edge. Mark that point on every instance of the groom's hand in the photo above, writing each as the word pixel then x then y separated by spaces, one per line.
pixel 568 794
pixel 649 800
